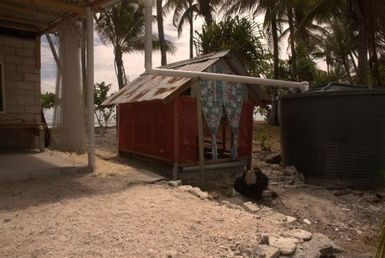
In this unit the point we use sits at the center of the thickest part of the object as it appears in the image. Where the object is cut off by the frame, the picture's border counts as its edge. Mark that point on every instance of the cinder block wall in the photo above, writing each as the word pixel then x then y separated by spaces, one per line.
pixel 22 91
pixel 22 80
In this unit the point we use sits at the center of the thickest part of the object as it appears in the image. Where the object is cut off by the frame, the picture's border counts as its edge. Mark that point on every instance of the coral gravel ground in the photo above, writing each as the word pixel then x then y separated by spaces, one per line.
pixel 124 210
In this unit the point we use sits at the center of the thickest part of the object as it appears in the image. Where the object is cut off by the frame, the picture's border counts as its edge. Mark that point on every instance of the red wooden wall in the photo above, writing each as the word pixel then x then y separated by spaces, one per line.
pixel 169 131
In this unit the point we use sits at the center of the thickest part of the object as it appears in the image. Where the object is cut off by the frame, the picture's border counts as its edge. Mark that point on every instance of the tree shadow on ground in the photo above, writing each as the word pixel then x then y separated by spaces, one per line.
pixel 17 195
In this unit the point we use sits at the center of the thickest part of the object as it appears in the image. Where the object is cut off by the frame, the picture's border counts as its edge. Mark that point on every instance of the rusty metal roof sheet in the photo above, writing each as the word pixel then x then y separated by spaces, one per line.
pixel 149 87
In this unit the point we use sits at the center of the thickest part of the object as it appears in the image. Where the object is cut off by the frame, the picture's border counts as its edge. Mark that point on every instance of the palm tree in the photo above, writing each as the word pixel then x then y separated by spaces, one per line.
pixel 122 26
pixel 237 35
pixel 368 18
pixel 162 41
pixel 273 11
pixel 184 11
pixel 336 45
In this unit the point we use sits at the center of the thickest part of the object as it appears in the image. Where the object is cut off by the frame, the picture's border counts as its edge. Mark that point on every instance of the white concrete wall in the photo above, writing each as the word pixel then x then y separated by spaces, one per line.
pixel 22 80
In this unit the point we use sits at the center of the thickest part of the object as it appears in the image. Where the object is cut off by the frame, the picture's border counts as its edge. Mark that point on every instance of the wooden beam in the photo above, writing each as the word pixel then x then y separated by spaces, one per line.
pixel 98 4
pixel 22 21
pixel 25 11
pixel 56 23
pixel 18 27
pixel 57 5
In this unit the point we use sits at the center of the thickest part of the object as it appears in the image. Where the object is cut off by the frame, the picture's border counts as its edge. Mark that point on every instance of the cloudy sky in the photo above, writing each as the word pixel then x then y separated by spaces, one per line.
pixel 133 62
pixel 104 58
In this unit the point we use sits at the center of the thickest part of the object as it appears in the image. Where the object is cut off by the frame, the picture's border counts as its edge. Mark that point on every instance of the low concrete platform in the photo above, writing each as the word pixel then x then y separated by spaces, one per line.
pixel 31 164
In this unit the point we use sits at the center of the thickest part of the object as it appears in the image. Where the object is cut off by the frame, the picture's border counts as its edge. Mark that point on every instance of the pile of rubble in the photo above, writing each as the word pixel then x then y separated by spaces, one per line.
pixel 292 242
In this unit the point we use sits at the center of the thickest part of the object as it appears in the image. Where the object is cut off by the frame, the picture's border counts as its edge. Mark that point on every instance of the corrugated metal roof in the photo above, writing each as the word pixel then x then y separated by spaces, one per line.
pixel 41 16
pixel 149 87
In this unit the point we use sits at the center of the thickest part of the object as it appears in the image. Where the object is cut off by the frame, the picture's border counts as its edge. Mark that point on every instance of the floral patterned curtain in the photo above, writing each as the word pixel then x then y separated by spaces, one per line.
pixel 233 106
pixel 212 107
pixel 215 96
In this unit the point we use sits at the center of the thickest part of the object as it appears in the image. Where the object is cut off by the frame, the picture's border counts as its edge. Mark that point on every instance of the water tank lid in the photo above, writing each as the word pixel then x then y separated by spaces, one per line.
pixel 335 86
pixel 336 89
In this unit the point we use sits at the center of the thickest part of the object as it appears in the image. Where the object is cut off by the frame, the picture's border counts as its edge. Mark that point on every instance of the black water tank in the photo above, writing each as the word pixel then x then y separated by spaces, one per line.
pixel 335 135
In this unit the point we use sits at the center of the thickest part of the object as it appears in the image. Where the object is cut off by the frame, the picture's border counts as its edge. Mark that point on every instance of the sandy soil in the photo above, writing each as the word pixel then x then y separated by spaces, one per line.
pixel 121 211
pixel 111 216
pixel 126 211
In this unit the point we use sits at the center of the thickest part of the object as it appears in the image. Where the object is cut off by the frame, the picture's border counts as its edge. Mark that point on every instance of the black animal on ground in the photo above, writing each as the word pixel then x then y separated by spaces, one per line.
pixel 251 183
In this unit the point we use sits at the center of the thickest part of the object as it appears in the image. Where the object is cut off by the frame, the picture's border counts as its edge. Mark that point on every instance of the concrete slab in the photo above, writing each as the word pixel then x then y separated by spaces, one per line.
pixel 27 165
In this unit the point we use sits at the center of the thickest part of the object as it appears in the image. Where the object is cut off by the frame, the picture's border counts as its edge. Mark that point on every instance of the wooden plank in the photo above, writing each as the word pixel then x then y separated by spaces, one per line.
pixel 19 27
pixel 21 125
pixel 200 134
pixel 57 5
pixel 22 21
pixel 25 11
pixel 146 155
pixel 55 23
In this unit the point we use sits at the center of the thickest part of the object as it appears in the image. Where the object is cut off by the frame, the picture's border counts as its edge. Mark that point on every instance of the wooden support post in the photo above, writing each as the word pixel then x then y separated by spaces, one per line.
pixel 200 134
pixel 224 136
pixel 41 138
pixel 117 129
pixel 90 89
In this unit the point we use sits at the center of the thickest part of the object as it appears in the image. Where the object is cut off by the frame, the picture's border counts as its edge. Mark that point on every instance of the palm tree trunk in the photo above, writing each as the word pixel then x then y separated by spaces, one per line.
pixel 274 31
pixel 374 60
pixel 347 69
pixel 359 8
pixel 191 21
pixel 273 118
pixel 162 42
pixel 362 69
pixel 119 67
pixel 353 62
pixel 291 39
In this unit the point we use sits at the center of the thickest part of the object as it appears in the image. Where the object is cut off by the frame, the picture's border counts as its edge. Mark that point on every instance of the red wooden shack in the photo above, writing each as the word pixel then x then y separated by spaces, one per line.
pixel 158 117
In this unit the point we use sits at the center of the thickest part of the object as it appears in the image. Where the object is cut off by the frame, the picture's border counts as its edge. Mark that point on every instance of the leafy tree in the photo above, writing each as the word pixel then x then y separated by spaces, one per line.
pixel 122 26
pixel 366 20
pixel 238 36
pixel 336 46
pixel 273 11
pixel 184 11
pixel 48 100
pixel 103 114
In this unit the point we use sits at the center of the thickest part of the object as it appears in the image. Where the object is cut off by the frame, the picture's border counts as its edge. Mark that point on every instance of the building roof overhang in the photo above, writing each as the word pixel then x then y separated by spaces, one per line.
pixel 31 18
